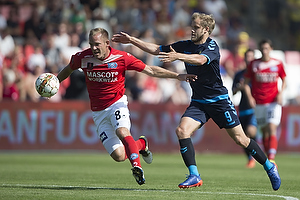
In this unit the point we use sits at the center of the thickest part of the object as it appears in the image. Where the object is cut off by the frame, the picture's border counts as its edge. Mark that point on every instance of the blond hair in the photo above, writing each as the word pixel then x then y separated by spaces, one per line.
pixel 103 32
pixel 205 20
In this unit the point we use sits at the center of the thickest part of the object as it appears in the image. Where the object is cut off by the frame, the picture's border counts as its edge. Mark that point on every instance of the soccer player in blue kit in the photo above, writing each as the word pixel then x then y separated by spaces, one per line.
pixel 210 98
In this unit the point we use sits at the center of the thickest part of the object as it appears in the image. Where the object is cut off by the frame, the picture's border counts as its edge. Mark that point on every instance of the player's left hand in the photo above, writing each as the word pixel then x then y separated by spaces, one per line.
pixel 168 57
pixel 187 77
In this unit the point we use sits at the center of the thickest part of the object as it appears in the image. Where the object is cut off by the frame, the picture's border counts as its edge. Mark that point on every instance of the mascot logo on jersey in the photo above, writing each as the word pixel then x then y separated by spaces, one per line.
pixel 112 65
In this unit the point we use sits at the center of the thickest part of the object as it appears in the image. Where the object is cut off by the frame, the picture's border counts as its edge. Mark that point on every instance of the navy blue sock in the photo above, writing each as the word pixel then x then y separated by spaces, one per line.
pixel 256 152
pixel 188 154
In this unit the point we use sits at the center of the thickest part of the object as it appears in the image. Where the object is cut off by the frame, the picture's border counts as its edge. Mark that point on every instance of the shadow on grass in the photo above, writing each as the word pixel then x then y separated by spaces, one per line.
pixel 57 187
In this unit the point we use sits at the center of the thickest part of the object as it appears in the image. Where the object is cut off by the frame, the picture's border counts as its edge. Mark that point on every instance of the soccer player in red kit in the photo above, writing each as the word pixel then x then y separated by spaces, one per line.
pixel 263 74
pixel 104 69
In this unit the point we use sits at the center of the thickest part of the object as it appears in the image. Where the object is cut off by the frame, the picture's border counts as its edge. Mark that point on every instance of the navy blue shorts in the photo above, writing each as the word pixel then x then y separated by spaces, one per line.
pixel 247 120
pixel 222 113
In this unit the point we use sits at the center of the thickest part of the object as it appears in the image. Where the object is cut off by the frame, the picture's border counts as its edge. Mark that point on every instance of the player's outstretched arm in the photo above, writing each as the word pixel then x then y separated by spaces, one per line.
pixel 159 72
pixel 64 73
pixel 124 38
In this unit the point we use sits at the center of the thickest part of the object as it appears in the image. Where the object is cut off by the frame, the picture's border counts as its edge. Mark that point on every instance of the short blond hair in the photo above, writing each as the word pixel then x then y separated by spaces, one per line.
pixel 103 32
pixel 206 20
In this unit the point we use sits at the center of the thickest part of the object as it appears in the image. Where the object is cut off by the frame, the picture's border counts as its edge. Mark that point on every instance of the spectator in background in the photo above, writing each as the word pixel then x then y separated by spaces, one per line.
pixel 97 15
pixel 52 55
pixel 234 29
pixel 36 66
pixel 77 89
pixel 36 59
pixel 163 25
pixel 144 18
pixel 172 91
pixel 244 43
pixel 263 74
pixel 10 90
pixel 53 13
pixel 13 23
pixel 122 17
pixel 235 60
pixel 1 75
pixel 246 112
pixel 16 63
pixel 218 8
pixel 150 89
pixel 66 52
pixel 77 13
pixel 294 23
pixel 7 43
pixel 133 89
pixel 80 31
pixel 181 20
pixel 34 25
pixel 62 38
pixel 274 13
pixel 3 22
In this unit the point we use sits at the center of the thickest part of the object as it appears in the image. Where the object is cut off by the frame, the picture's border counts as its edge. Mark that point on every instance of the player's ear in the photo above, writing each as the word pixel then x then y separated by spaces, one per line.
pixel 207 29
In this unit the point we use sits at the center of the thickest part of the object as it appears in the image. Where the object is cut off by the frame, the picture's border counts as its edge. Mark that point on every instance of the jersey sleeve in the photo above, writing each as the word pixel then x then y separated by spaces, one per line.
pixel 211 52
pixel 177 46
pixel 75 61
pixel 132 63
pixel 164 48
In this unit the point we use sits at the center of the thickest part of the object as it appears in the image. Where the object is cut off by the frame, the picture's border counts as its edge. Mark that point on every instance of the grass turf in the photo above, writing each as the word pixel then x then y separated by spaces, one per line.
pixel 96 176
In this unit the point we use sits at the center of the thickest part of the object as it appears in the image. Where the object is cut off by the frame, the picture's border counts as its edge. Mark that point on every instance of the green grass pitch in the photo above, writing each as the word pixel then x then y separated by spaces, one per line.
pixel 62 176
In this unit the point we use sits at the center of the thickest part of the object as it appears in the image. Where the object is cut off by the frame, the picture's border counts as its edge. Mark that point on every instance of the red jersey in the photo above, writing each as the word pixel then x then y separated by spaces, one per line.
pixel 105 79
pixel 264 79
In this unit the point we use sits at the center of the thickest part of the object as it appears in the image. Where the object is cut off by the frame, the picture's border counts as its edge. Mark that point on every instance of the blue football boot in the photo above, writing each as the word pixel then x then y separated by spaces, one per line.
pixel 191 181
pixel 274 177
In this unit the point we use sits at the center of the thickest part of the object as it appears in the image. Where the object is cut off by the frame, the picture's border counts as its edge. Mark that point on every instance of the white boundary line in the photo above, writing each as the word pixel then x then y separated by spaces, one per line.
pixel 145 190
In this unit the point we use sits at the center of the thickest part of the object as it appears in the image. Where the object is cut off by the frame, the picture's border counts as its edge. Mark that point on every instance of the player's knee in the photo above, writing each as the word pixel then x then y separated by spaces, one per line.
pixel 180 132
pixel 242 141
pixel 118 158
pixel 119 154
pixel 122 132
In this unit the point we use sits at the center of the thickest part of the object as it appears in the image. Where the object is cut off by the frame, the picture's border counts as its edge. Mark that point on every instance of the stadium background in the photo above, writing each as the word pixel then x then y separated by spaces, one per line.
pixel 40 36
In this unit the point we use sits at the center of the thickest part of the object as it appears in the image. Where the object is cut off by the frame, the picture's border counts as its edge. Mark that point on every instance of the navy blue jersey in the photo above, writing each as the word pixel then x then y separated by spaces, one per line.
pixel 209 86
pixel 244 103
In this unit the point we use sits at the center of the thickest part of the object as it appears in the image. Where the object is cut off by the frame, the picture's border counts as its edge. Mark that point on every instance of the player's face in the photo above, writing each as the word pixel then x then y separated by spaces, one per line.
pixel 197 31
pixel 99 46
pixel 249 57
pixel 265 49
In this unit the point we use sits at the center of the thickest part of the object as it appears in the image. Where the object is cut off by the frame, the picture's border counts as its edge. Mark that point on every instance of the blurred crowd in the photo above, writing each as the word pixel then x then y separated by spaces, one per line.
pixel 39 36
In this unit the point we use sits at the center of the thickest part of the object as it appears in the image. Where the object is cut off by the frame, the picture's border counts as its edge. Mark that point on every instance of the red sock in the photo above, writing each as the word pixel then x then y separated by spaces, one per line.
pixel 141 144
pixel 266 144
pixel 273 147
pixel 132 151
